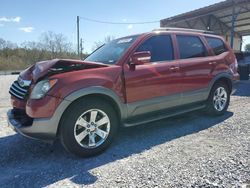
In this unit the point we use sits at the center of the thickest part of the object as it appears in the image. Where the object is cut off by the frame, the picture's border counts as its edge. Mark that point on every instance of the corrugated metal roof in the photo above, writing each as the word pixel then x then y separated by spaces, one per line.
pixel 218 15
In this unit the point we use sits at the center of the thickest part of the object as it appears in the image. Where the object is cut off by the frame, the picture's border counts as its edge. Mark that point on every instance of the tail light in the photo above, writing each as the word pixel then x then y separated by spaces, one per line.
pixel 234 66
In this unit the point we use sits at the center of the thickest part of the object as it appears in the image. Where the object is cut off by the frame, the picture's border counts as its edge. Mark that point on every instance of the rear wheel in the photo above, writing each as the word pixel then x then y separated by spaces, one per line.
pixel 88 127
pixel 219 99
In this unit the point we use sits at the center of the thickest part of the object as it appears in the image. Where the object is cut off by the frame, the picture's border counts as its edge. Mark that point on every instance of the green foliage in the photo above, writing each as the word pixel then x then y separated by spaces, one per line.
pixel 50 46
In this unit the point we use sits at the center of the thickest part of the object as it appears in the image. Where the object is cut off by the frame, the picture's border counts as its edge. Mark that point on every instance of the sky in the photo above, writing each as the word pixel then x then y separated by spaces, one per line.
pixel 26 20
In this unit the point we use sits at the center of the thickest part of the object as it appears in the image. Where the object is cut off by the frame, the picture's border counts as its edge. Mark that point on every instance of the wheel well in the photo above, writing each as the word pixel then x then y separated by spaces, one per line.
pixel 99 96
pixel 226 81
pixel 108 99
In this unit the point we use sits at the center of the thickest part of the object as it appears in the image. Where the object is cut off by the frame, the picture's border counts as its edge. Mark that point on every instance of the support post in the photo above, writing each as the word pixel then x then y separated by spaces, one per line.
pixel 241 43
pixel 78 36
pixel 233 27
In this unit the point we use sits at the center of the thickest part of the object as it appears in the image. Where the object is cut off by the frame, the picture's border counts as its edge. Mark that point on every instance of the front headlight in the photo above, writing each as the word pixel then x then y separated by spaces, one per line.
pixel 41 88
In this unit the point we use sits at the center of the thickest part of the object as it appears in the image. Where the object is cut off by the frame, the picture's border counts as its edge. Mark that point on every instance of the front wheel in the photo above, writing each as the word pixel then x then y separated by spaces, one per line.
pixel 218 100
pixel 88 127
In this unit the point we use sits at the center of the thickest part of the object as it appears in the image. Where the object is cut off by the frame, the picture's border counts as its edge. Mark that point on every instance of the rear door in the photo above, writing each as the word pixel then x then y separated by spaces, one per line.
pixel 156 85
pixel 196 67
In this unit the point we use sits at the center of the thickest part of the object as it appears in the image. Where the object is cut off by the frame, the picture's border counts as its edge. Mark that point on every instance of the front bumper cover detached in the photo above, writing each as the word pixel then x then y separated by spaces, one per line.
pixel 40 129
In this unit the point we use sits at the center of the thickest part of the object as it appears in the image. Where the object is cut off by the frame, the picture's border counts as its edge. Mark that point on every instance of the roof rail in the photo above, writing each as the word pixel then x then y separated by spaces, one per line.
pixel 183 29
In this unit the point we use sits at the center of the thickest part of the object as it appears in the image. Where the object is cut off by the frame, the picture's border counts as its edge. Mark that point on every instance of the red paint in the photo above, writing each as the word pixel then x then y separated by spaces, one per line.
pixel 146 81
pixel 151 80
pixel 42 108
pixel 16 103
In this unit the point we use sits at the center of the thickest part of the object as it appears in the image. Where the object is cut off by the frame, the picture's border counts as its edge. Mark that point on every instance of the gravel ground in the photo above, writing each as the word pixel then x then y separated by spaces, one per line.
pixel 192 150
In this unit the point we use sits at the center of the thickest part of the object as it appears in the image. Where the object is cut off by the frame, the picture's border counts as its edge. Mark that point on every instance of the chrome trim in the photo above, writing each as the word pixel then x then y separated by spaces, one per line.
pixel 16 95
pixel 19 92
pixel 18 87
pixel 23 83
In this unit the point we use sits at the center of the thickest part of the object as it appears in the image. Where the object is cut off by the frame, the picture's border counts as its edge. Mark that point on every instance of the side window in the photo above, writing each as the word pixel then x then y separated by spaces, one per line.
pixel 190 47
pixel 160 47
pixel 217 45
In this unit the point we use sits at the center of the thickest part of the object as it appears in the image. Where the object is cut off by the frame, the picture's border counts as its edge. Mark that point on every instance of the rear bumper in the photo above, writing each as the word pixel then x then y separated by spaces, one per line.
pixel 40 129
pixel 235 84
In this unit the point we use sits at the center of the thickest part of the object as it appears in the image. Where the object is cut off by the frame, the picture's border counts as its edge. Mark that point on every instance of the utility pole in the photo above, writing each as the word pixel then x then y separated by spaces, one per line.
pixel 78 37
pixel 81 49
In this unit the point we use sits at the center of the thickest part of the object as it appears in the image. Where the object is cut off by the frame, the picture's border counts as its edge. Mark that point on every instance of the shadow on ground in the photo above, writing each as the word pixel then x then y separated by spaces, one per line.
pixel 243 89
pixel 25 162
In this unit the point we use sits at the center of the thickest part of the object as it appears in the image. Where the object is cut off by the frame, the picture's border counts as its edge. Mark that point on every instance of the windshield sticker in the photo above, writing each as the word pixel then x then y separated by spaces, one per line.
pixel 126 40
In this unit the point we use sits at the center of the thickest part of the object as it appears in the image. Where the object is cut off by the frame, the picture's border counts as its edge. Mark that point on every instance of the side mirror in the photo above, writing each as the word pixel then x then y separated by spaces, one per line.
pixel 140 58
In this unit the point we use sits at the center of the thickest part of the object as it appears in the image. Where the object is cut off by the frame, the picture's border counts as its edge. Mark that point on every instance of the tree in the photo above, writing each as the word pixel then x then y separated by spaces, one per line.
pixel 4 44
pixel 55 43
pixel 106 40
pixel 50 46
pixel 247 48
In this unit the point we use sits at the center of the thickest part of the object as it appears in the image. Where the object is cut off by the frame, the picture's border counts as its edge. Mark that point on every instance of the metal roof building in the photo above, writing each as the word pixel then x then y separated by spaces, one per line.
pixel 230 18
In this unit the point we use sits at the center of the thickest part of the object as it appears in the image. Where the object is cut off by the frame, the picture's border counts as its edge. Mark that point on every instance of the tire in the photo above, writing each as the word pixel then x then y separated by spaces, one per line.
pixel 216 108
pixel 81 131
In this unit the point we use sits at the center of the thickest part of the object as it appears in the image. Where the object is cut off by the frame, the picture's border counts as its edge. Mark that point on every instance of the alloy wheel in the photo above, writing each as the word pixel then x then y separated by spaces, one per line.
pixel 92 128
pixel 220 99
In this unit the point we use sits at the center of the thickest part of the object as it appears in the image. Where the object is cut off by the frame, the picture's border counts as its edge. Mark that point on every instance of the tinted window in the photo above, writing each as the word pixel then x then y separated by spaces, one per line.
pixel 217 45
pixel 191 47
pixel 160 47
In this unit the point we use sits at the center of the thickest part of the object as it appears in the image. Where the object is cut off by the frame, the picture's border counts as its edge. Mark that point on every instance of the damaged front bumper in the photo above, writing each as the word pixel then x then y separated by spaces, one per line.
pixel 40 129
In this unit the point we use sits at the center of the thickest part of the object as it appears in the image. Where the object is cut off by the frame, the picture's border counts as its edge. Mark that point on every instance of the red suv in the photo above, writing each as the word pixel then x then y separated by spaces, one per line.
pixel 129 81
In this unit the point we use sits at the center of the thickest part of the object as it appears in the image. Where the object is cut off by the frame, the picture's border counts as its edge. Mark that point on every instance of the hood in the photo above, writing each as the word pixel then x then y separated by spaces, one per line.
pixel 57 66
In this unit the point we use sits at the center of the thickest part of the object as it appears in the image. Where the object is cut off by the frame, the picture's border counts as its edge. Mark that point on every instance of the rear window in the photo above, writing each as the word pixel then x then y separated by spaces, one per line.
pixel 217 45
pixel 190 47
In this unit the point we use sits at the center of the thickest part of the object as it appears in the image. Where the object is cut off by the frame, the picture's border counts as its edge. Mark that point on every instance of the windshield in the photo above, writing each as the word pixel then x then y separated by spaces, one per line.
pixel 111 52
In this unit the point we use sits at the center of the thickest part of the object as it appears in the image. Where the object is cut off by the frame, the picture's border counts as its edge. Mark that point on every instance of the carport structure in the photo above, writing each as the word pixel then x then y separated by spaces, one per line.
pixel 230 18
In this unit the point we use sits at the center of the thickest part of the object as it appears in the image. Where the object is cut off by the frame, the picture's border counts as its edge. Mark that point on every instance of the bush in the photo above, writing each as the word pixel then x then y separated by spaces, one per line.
pixel 50 46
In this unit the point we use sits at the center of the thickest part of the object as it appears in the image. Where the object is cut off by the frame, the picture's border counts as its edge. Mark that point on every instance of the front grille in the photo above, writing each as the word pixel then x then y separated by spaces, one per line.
pixel 17 91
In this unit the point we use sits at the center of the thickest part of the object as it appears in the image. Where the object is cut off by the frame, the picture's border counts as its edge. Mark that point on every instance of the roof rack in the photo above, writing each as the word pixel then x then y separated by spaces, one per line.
pixel 183 29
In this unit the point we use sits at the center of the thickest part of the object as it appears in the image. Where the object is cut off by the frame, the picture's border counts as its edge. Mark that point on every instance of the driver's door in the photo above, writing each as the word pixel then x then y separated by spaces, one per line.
pixel 156 85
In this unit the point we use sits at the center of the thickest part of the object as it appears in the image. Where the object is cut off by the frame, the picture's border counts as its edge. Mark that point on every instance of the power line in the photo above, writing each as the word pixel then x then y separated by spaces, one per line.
pixel 104 22
pixel 118 23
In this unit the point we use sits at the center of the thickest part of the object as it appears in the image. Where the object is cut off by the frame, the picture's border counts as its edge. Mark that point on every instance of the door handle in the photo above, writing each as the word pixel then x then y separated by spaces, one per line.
pixel 174 68
pixel 212 63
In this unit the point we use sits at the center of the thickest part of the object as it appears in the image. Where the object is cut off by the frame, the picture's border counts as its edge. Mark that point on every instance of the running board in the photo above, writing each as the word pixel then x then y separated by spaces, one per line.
pixel 143 119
